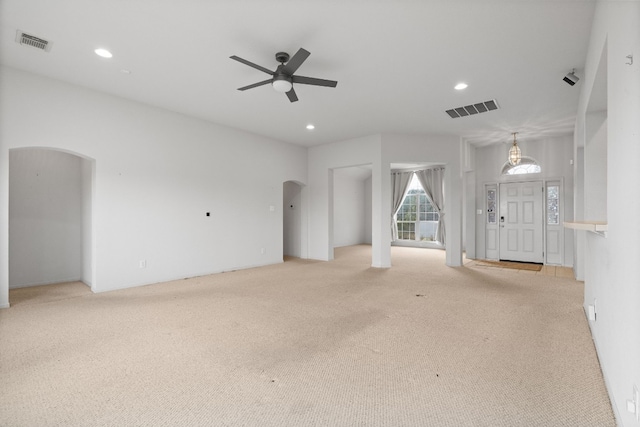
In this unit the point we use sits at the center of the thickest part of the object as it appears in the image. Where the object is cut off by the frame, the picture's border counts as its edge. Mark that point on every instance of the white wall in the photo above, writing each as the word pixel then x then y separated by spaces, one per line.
pixel 595 161
pixel 348 209
pixel 367 209
pixel 88 169
pixel 45 217
pixel 578 212
pixel 612 270
pixel 156 175
pixel 554 155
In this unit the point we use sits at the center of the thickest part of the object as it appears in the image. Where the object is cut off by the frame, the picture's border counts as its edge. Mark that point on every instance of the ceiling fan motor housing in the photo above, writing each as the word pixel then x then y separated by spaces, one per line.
pixel 281 76
pixel 282 57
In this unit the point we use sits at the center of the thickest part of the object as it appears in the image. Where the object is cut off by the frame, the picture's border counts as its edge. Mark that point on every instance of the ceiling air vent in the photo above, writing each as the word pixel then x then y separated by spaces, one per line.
pixel 469 110
pixel 33 41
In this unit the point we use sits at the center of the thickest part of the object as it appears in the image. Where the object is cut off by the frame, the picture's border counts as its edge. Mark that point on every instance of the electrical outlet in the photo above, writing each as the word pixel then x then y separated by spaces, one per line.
pixel 142 263
pixel 262 250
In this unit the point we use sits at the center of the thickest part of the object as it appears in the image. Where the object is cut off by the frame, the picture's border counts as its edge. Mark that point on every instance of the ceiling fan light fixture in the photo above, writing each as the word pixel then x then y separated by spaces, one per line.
pixel 283 77
pixel 282 85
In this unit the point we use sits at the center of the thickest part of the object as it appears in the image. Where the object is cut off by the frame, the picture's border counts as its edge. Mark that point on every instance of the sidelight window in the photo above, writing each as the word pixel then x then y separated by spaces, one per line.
pixel 553 205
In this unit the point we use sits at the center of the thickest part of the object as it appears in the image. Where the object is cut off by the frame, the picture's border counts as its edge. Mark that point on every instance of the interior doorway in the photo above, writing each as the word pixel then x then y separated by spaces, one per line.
pixel 292 219
pixel 351 213
pixel 50 217
pixel 351 206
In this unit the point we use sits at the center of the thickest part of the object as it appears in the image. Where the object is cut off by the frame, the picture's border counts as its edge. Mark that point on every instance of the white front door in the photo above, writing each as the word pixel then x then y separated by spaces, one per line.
pixel 520 219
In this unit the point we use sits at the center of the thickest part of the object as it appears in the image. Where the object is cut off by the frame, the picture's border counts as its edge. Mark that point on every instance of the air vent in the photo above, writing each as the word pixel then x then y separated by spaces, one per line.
pixel 470 110
pixel 33 41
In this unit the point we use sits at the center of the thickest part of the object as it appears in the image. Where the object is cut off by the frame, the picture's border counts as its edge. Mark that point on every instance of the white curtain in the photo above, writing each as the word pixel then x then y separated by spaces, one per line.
pixel 399 185
pixel 432 181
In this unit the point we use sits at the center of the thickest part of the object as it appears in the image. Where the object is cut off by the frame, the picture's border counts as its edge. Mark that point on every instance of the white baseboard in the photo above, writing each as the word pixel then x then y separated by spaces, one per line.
pixel 50 282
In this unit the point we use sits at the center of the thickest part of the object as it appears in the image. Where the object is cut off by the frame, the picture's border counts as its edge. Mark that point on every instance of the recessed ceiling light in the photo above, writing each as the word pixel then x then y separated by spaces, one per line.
pixel 310 127
pixel 125 71
pixel 460 86
pixel 103 53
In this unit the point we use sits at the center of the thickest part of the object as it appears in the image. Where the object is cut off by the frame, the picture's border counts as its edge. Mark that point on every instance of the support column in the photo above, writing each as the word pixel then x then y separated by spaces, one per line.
pixel 381 215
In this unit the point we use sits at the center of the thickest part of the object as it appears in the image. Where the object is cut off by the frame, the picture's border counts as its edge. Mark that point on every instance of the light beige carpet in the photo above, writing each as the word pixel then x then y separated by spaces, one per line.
pixel 306 343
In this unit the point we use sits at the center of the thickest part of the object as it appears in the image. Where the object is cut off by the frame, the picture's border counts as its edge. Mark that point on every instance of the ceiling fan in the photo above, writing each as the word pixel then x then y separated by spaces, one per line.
pixel 283 77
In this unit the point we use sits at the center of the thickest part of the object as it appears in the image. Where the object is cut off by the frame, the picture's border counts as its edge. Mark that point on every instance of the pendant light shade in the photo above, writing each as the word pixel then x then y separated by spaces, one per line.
pixel 515 155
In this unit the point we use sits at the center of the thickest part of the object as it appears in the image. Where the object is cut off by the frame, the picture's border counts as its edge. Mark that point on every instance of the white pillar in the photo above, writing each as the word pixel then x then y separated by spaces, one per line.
pixel 381 215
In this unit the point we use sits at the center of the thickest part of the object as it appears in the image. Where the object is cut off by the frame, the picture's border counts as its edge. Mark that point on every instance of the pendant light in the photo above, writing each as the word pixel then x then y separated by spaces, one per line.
pixel 515 155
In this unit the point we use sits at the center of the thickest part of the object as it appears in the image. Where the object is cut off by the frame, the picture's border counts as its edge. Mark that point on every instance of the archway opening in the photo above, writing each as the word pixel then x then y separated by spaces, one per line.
pixel 291 219
pixel 50 217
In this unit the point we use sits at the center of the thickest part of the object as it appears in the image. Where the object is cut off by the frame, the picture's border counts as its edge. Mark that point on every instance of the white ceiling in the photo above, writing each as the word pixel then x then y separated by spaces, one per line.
pixel 396 62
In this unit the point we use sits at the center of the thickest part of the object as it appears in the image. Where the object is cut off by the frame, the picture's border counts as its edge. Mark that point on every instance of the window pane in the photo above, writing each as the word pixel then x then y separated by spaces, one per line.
pixel 491 206
pixel 524 169
pixel 406 230
pixel 553 205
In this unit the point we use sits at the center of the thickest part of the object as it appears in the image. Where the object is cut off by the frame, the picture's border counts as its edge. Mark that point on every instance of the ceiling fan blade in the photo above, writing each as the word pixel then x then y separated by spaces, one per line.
pixel 256 84
pixel 313 81
pixel 292 95
pixel 296 61
pixel 251 64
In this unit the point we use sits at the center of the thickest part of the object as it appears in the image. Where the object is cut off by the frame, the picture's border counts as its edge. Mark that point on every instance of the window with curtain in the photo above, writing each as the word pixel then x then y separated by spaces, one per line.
pixel 417 218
